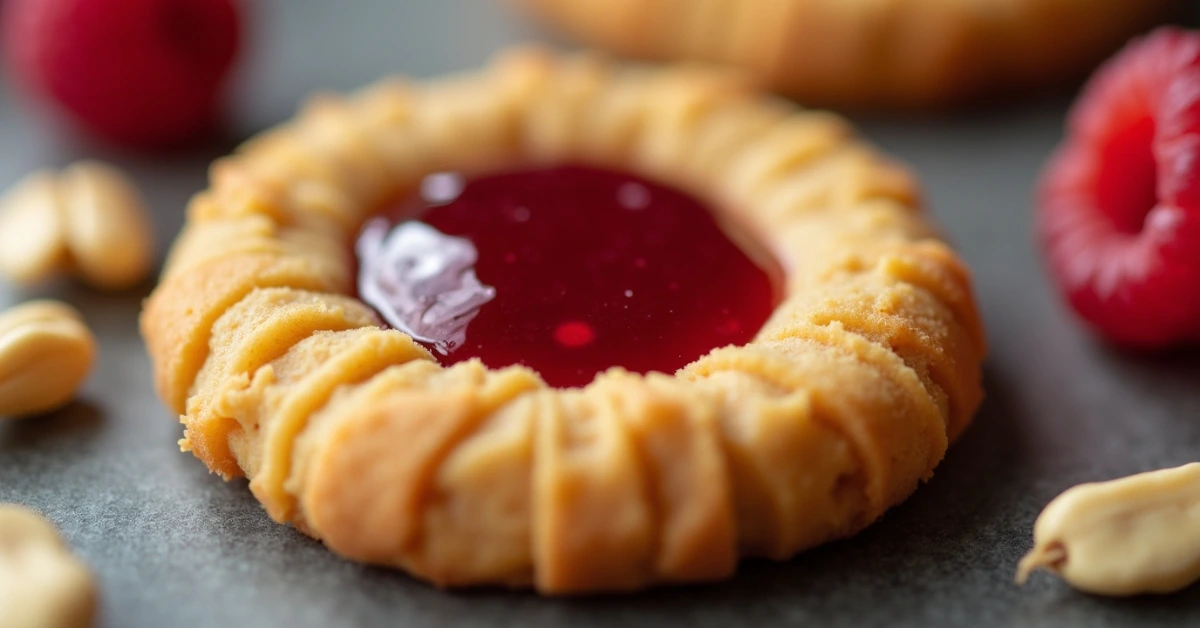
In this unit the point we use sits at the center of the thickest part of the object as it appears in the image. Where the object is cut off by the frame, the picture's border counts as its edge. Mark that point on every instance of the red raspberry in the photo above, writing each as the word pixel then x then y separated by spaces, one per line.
pixel 144 73
pixel 1119 217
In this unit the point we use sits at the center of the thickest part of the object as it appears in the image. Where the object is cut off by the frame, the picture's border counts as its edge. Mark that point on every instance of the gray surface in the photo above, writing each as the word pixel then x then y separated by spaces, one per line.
pixel 175 546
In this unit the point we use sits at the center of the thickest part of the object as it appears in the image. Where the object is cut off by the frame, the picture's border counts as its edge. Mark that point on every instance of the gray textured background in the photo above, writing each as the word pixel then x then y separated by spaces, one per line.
pixel 174 546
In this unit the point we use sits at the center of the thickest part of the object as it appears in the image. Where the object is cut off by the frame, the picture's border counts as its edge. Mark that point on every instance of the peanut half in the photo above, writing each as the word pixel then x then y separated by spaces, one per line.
pixel 1139 534
pixel 46 351
pixel 42 585
pixel 89 219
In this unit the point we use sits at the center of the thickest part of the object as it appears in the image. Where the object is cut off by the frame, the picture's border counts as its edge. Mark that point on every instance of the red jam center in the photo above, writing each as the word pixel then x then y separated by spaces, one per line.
pixel 590 269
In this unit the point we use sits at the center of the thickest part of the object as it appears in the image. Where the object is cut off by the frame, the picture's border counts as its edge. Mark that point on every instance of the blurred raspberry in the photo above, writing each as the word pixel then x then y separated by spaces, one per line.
pixel 1119 216
pixel 140 73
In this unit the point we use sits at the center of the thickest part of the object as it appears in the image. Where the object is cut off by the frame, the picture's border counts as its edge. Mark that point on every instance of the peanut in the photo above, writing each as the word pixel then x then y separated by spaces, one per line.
pixel 46 352
pixel 89 220
pixel 42 585
pixel 1139 534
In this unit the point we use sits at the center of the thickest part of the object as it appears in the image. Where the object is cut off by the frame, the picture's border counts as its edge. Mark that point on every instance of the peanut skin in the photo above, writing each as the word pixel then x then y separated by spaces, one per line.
pixel 1139 534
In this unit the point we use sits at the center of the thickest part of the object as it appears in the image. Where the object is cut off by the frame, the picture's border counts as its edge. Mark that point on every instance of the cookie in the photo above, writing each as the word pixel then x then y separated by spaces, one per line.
pixel 354 433
pixel 881 53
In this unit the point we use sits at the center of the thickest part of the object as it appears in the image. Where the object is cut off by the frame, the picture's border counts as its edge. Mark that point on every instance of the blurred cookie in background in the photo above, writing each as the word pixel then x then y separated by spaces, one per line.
pixel 906 54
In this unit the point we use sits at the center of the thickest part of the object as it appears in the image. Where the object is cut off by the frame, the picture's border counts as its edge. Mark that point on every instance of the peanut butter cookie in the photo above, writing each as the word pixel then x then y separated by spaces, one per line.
pixel 395 450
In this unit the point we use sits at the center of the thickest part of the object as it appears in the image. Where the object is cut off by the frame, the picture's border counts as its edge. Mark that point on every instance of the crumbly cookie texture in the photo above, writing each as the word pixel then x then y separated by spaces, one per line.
pixel 899 53
pixel 843 403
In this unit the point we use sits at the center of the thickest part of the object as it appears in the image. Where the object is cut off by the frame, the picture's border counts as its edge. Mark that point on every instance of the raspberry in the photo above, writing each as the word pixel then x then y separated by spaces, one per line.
pixel 142 73
pixel 1119 219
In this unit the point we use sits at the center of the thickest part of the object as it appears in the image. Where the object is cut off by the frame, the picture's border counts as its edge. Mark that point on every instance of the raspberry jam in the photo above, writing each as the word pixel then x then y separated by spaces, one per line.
pixel 568 270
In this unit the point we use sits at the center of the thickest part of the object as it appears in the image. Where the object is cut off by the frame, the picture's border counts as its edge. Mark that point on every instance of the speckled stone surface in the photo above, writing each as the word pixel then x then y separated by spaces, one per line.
pixel 174 546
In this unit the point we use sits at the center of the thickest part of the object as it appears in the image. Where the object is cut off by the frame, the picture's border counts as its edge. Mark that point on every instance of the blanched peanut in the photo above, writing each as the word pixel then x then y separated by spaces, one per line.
pixel 89 219
pixel 1139 534
pixel 46 352
pixel 33 239
pixel 107 225
pixel 41 584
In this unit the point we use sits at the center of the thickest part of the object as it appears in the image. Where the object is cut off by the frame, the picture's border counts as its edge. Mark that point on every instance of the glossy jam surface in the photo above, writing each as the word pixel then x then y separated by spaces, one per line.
pixel 578 270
